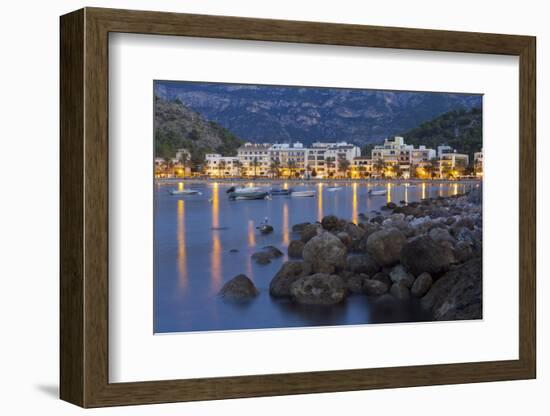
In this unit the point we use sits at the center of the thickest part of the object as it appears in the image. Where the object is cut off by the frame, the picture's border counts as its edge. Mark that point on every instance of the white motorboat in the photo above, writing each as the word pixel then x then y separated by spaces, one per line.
pixel 303 194
pixel 377 193
pixel 185 192
pixel 334 188
pixel 244 190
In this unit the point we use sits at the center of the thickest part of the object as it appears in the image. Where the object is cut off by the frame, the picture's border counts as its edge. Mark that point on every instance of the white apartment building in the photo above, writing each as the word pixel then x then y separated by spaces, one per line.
pixel 255 158
pixel 422 156
pixel 325 158
pixel 291 157
pixel 218 166
pixel 478 163
pixel 362 167
pixel 451 162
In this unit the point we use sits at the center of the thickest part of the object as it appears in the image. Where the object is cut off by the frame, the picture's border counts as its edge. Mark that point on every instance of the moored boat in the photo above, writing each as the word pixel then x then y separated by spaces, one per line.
pixel 185 192
pixel 237 196
pixel 335 188
pixel 377 193
pixel 303 194
pixel 279 191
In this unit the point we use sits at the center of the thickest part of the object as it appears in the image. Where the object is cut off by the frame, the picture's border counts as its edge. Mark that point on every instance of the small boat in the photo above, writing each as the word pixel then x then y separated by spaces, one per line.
pixel 239 196
pixel 185 192
pixel 239 190
pixel 377 193
pixel 334 188
pixel 303 194
pixel 279 191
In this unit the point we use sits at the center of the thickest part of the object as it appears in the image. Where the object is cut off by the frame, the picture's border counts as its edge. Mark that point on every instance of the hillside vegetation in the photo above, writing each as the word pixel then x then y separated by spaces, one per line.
pixel 460 129
pixel 177 126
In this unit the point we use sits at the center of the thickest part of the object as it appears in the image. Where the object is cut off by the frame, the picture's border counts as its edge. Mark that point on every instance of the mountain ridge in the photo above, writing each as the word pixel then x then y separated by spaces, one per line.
pixel 261 113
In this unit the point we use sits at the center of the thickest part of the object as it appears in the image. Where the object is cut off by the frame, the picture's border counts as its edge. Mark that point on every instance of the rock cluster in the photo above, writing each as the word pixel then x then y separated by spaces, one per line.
pixel 429 250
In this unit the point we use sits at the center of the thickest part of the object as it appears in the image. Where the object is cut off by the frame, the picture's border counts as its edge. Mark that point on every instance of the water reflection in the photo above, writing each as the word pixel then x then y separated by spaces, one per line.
pixel 320 202
pixel 216 251
pixel 182 264
pixel 354 215
pixel 286 232
pixel 251 234
pixel 204 241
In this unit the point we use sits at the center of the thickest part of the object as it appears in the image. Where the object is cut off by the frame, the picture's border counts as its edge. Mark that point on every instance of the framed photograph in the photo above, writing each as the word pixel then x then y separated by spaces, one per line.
pixel 256 207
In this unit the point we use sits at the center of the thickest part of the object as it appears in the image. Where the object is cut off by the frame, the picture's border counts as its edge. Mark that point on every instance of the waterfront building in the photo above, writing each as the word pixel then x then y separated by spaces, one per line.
pixel 290 160
pixel 362 167
pixel 478 163
pixel 218 166
pixel 452 164
pixel 396 156
pixel 255 159
pixel 420 159
pixel 332 159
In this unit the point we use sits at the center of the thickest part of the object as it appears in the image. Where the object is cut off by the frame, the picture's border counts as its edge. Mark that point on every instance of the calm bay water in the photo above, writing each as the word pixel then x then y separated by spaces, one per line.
pixel 194 235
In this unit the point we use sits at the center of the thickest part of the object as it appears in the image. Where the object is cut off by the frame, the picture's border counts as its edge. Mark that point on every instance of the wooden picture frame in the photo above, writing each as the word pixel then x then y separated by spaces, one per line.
pixel 84 207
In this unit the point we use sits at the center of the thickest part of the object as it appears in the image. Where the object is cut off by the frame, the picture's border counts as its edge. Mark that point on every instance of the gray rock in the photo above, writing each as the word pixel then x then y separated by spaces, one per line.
pixel 382 277
pixel 385 246
pixel 290 272
pixel 363 263
pixel 463 251
pixel 273 251
pixel 297 228
pixel 344 238
pixel 440 235
pixel 373 287
pixel 400 291
pixel 240 288
pixel 295 248
pixel 355 283
pixel 457 295
pixel 400 275
pixel 262 257
pixel 309 231
pixel 326 253
pixel 318 289
pixel 421 285
pixel 422 254
pixel 330 223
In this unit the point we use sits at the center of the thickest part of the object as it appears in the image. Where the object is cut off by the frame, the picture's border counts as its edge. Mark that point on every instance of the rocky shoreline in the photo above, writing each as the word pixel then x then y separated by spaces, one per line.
pixel 428 252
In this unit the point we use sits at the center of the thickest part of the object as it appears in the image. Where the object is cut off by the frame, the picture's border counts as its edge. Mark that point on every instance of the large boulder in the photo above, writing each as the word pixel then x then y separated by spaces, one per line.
pixel 422 254
pixel 374 287
pixel 400 275
pixel 457 295
pixel 382 277
pixel 240 288
pixel 295 248
pixel 330 223
pixel 309 231
pixel 421 285
pixel 385 246
pixel 441 235
pixel 326 253
pixel 290 272
pixel 400 291
pixel 363 263
pixel 354 283
pixel 318 289
pixel 355 233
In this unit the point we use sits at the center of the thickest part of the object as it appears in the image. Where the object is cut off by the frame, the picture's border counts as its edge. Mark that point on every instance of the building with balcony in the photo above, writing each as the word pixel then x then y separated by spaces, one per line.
pixel 218 166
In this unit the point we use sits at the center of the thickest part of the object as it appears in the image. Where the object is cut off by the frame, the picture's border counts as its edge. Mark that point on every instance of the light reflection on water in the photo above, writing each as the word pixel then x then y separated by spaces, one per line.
pixel 195 233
